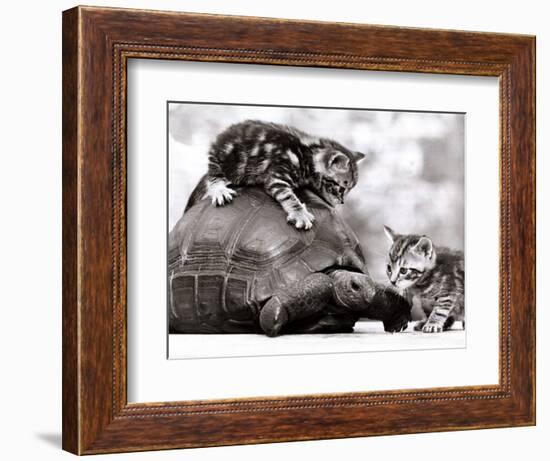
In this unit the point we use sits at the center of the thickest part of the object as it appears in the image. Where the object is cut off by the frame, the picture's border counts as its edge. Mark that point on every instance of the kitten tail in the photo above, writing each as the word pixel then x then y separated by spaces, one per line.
pixel 198 193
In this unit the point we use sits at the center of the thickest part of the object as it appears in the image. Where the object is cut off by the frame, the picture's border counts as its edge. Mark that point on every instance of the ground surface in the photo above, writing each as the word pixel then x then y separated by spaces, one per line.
pixel 367 337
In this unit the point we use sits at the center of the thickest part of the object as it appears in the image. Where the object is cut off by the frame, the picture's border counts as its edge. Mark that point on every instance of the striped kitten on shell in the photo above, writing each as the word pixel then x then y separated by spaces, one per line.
pixel 282 159
pixel 433 277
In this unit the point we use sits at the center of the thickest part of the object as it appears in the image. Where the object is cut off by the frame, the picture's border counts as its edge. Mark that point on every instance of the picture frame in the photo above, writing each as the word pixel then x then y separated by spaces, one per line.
pixel 97 45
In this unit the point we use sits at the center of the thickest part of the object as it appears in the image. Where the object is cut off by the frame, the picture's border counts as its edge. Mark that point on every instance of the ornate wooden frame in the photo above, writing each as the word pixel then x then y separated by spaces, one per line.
pixel 97 43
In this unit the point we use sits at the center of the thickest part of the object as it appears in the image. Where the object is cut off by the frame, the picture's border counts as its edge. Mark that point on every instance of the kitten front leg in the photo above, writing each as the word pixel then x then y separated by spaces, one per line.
pixel 216 180
pixel 418 308
pixel 439 317
pixel 296 211
pixel 217 190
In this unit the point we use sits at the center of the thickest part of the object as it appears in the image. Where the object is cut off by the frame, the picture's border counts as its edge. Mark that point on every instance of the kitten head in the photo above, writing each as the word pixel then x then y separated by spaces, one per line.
pixel 335 170
pixel 409 258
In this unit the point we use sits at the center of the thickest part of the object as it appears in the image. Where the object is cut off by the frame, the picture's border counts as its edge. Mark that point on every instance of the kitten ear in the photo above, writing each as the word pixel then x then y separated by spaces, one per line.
pixel 424 247
pixel 390 233
pixel 358 156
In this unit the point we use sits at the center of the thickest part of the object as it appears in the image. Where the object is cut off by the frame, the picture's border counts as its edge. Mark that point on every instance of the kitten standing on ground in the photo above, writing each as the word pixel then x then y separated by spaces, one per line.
pixel 432 276
pixel 281 159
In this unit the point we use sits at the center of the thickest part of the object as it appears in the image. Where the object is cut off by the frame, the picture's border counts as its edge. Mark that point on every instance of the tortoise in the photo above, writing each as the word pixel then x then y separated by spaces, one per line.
pixel 243 269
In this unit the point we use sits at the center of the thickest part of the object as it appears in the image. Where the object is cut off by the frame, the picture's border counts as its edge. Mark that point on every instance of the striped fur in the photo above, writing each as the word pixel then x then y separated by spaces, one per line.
pixel 282 159
pixel 432 276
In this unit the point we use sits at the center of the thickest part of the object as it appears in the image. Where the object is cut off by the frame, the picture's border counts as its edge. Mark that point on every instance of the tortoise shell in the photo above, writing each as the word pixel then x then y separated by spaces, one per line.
pixel 225 262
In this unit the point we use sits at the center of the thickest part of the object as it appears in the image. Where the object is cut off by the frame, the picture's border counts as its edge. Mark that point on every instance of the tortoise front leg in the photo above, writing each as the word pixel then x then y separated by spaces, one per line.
pixel 325 323
pixel 302 299
pixel 391 308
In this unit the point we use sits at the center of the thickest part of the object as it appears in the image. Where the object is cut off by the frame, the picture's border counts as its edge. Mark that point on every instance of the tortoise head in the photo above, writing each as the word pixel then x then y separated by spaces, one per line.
pixel 353 290
pixel 358 293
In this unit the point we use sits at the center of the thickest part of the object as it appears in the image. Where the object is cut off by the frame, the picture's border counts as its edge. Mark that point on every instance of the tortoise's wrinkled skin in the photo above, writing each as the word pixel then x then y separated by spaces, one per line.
pixel 242 268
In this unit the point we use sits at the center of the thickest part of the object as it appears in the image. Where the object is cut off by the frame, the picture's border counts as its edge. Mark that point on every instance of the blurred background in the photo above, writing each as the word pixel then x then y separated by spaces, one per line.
pixel 411 180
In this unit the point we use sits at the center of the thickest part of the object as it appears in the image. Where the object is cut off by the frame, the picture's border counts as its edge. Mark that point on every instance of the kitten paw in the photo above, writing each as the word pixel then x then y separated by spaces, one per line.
pixel 302 219
pixel 220 193
pixel 419 325
pixel 432 328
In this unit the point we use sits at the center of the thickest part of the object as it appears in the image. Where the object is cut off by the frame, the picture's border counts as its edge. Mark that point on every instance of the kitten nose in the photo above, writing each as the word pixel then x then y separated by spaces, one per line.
pixel 393 282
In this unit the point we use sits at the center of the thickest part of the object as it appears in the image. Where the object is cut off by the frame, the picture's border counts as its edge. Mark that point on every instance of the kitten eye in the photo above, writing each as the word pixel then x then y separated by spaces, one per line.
pixel 403 270
pixel 339 162
pixel 388 268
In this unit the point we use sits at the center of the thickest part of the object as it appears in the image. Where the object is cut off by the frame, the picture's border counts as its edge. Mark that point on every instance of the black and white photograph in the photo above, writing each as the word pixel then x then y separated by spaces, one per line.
pixel 310 230
pixel 275 230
